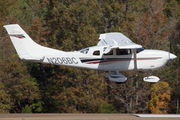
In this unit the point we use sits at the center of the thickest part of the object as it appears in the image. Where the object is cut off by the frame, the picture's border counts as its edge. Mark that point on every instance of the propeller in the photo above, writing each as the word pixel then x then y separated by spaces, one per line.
pixel 170 52
pixel 171 56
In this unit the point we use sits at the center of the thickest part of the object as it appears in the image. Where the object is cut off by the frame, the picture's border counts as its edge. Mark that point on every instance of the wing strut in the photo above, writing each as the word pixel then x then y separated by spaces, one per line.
pixel 135 59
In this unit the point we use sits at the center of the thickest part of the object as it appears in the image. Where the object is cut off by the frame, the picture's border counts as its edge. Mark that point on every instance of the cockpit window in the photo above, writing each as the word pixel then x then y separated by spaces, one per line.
pixel 97 52
pixel 109 53
pixel 84 51
pixel 139 50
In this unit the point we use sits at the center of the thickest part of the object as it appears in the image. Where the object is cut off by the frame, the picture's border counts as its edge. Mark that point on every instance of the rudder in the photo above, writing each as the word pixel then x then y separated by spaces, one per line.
pixel 17 36
pixel 26 48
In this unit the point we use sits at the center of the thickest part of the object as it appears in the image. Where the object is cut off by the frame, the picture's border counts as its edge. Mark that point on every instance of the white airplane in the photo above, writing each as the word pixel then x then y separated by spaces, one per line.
pixel 113 53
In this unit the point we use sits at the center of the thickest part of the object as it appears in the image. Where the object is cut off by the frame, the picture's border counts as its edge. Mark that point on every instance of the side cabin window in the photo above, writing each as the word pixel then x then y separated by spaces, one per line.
pixel 97 52
pixel 109 53
pixel 123 51
pixel 84 51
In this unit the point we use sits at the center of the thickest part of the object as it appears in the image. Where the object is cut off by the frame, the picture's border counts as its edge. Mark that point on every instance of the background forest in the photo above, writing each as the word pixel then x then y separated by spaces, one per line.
pixel 70 25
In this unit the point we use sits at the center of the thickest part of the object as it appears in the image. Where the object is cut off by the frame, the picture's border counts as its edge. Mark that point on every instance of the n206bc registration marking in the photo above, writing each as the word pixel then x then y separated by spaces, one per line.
pixel 63 60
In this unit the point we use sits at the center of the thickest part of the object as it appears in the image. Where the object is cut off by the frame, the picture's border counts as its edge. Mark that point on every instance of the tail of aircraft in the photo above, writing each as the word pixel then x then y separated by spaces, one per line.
pixel 26 48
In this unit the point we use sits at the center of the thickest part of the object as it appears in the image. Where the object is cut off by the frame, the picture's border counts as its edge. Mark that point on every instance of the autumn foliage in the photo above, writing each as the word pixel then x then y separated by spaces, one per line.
pixel 160 96
pixel 71 25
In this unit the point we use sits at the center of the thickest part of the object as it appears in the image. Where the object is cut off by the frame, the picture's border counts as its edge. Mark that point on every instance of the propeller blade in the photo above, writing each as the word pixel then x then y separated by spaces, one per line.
pixel 171 62
pixel 170 53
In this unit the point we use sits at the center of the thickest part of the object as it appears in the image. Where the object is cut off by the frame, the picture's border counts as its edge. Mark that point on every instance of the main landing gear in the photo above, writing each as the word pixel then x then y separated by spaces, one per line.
pixel 118 77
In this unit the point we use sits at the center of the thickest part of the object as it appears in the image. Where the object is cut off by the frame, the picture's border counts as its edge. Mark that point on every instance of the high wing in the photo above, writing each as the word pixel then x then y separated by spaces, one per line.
pixel 116 40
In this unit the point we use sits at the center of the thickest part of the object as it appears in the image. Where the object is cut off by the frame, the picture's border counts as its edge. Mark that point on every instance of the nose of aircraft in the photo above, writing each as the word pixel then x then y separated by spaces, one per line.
pixel 172 56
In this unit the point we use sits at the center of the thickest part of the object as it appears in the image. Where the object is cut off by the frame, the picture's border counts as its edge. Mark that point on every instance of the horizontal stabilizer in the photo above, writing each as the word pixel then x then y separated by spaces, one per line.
pixel 30 58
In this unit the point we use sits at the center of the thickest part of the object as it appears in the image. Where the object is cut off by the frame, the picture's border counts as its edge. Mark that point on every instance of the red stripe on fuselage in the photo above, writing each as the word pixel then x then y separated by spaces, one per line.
pixel 97 62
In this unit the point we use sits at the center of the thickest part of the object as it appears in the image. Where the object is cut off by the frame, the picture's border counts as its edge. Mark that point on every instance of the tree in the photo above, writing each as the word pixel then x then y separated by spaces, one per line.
pixel 151 26
pixel 160 95
pixel 72 25
pixel 21 89
pixel 5 102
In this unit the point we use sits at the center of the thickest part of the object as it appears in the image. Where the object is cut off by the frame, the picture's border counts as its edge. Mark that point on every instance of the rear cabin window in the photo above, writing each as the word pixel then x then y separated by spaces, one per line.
pixel 123 51
pixel 97 52
pixel 84 51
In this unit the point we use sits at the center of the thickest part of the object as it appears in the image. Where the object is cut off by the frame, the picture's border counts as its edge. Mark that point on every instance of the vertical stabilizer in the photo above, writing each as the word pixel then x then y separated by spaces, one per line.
pixel 26 48
pixel 17 36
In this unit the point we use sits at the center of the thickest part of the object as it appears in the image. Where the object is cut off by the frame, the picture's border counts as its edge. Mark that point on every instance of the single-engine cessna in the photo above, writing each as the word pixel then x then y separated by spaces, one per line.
pixel 113 53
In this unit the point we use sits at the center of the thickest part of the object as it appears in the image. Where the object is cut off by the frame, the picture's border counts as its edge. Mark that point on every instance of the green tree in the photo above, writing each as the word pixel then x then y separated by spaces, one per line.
pixel 5 102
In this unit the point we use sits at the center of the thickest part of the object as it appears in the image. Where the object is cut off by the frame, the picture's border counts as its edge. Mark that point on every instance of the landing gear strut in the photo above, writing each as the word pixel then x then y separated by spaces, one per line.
pixel 150 71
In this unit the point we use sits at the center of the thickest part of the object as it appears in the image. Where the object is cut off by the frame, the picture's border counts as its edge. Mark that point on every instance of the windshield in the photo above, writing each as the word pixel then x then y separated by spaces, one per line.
pixel 139 50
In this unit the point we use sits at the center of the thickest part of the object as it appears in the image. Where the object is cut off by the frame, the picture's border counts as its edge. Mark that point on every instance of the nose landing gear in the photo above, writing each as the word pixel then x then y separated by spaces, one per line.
pixel 151 79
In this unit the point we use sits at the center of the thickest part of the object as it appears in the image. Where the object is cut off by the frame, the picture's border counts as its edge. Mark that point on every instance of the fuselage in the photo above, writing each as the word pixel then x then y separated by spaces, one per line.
pixel 116 59
pixel 114 52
